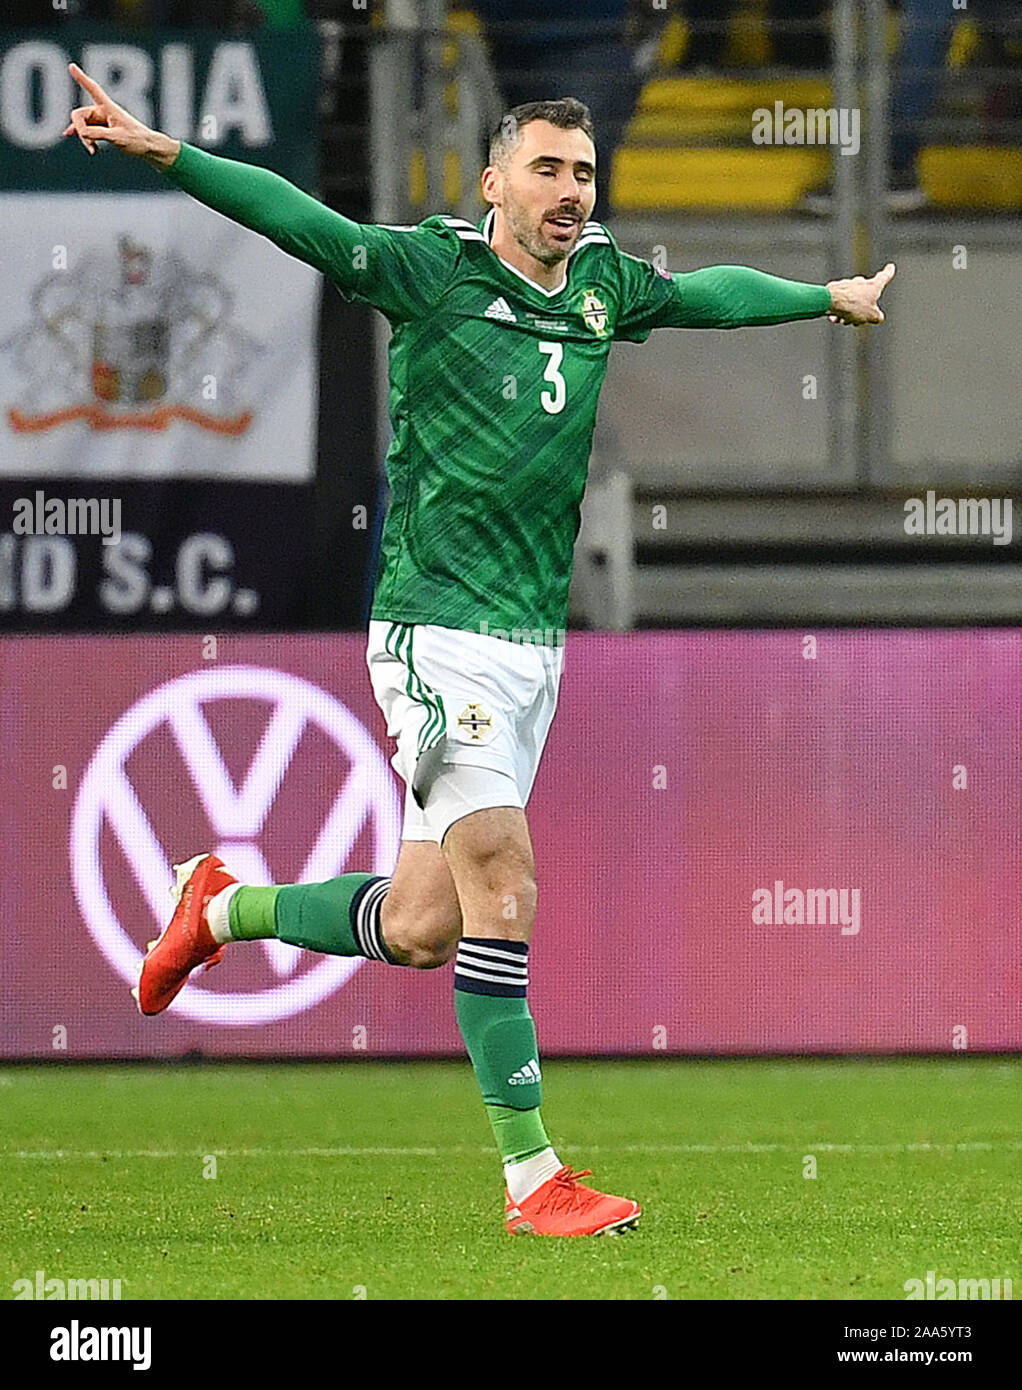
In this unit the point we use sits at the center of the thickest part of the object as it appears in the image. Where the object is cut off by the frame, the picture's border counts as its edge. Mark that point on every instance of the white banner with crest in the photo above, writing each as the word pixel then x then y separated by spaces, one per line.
pixel 146 337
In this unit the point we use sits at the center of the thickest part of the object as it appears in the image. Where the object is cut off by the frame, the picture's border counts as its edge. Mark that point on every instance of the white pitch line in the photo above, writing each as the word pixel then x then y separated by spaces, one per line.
pixel 978 1146
pixel 237 1153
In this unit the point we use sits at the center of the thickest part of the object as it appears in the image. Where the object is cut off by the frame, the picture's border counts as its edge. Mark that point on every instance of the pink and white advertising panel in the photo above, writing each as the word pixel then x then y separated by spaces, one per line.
pixel 746 842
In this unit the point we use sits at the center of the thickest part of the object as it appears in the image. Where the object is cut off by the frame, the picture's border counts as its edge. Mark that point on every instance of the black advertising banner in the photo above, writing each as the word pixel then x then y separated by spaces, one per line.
pixel 169 555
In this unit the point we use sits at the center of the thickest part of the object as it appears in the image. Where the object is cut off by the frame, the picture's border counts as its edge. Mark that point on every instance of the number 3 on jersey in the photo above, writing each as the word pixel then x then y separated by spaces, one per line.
pixel 553 402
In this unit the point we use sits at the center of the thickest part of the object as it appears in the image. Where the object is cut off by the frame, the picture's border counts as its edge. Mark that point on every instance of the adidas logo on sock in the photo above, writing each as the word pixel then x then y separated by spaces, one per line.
pixel 526 1075
pixel 501 309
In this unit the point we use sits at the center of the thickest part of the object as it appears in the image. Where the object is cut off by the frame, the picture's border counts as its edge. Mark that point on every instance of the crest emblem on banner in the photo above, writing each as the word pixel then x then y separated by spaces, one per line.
pixel 148 341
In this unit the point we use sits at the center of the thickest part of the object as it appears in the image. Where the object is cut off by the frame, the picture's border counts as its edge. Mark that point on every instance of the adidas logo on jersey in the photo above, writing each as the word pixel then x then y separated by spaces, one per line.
pixel 501 309
pixel 526 1075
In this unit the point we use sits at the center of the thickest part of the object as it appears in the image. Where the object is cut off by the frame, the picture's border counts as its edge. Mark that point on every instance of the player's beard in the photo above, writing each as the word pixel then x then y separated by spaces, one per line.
pixel 530 237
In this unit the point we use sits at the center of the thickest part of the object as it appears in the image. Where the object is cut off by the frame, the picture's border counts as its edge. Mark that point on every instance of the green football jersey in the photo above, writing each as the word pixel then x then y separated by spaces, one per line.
pixel 494 385
pixel 493 401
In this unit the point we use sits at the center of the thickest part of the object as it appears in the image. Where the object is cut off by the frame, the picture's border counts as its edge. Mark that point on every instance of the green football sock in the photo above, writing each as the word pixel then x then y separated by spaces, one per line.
pixel 251 913
pixel 520 1134
pixel 500 1035
pixel 340 917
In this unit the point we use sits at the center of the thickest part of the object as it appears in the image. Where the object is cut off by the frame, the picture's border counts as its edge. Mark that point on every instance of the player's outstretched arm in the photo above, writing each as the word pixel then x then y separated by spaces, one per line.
pixel 257 198
pixel 739 296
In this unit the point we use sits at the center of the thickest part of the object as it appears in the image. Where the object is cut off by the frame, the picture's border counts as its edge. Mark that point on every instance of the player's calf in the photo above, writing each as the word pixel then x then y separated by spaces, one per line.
pixel 492 865
pixel 412 919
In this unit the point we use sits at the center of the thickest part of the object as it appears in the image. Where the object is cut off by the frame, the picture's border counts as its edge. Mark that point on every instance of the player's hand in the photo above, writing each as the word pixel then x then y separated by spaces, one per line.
pixel 856 301
pixel 105 120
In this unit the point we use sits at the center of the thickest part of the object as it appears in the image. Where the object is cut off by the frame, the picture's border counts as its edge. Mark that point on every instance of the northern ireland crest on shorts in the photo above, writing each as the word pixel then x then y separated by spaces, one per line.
pixel 475 725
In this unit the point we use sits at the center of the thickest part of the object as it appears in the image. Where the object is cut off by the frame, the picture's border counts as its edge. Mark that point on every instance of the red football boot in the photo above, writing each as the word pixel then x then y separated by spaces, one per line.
pixel 562 1206
pixel 187 941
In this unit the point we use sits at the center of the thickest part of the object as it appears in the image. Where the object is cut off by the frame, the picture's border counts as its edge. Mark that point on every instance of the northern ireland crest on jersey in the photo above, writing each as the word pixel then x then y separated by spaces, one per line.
pixel 594 311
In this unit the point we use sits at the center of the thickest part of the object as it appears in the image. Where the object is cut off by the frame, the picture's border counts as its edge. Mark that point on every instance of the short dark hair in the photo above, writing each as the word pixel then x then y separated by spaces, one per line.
pixel 567 114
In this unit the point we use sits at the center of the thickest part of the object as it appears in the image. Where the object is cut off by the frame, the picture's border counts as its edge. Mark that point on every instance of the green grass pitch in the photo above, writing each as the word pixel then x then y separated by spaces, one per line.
pixel 379 1180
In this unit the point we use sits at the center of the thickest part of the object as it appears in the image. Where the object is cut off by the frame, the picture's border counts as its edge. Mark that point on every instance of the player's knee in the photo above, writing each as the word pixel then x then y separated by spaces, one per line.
pixel 427 954
pixel 507 879
pixel 422 945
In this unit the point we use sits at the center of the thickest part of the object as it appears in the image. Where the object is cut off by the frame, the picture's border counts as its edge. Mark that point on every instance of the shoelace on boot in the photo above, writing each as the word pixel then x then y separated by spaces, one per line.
pixel 565 1195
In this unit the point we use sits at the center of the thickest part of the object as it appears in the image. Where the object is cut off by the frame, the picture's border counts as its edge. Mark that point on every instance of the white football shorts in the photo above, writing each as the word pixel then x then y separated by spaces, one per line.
pixel 470 714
